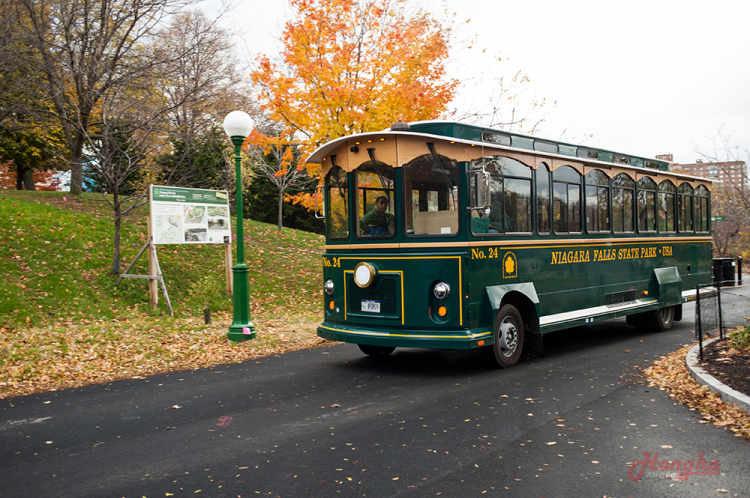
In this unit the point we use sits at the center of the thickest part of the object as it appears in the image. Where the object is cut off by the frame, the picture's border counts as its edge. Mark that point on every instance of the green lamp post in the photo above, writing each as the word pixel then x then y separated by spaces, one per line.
pixel 238 126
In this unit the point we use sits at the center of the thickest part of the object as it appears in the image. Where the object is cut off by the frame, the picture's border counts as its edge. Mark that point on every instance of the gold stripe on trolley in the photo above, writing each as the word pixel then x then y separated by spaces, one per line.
pixel 527 243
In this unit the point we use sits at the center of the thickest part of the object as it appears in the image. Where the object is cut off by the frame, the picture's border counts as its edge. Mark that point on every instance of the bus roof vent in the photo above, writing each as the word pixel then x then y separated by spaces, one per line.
pixel 400 126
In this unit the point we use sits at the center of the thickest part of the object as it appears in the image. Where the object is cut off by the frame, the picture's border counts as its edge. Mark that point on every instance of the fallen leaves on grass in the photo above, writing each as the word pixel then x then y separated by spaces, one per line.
pixel 59 357
pixel 670 373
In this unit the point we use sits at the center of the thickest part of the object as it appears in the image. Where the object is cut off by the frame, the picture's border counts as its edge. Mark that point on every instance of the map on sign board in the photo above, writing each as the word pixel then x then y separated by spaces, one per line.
pixel 189 216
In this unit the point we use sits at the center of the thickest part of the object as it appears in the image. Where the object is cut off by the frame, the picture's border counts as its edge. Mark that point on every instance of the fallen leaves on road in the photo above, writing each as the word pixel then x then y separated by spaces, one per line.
pixel 43 359
pixel 670 373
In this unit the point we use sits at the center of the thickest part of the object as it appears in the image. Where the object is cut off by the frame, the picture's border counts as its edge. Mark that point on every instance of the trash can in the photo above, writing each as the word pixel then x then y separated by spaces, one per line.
pixel 729 272
pixel 723 271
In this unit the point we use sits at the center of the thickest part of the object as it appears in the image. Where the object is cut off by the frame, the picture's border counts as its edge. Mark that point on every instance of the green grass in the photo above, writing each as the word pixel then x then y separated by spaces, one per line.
pixel 56 257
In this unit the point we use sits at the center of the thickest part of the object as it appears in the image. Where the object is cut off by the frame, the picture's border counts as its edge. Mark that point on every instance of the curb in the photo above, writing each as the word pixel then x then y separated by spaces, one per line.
pixel 727 394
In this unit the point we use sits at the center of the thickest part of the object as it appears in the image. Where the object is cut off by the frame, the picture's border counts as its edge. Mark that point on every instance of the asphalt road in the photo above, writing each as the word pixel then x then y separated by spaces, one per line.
pixel 331 422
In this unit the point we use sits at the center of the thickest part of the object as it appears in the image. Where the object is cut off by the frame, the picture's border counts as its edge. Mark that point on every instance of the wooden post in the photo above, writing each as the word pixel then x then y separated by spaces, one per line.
pixel 153 284
pixel 228 267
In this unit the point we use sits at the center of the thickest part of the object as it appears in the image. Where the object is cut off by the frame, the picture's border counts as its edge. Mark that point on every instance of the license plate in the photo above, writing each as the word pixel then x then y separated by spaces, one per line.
pixel 370 306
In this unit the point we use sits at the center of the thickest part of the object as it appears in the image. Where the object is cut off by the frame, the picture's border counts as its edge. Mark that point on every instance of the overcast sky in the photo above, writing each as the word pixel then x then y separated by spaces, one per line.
pixel 642 77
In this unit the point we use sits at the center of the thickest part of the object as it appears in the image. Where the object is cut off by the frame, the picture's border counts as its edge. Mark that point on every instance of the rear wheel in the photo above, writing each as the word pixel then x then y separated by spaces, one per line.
pixel 665 318
pixel 657 320
pixel 378 351
pixel 508 338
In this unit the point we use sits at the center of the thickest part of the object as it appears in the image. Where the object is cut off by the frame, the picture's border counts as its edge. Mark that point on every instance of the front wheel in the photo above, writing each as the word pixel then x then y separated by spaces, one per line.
pixel 508 338
pixel 377 351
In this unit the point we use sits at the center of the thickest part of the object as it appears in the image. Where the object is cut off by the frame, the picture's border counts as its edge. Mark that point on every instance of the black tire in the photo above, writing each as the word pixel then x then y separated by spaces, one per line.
pixel 508 338
pixel 377 351
pixel 664 318
pixel 659 320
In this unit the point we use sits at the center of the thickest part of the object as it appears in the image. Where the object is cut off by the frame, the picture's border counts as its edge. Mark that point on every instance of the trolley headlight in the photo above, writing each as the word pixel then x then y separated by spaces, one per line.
pixel 328 286
pixel 442 290
pixel 364 274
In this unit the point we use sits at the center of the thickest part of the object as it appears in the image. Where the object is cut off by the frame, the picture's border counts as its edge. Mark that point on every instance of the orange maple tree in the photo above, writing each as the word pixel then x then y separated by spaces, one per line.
pixel 352 66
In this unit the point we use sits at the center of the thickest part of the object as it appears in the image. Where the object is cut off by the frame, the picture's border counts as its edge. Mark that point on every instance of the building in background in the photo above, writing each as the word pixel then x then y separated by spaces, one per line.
pixel 732 173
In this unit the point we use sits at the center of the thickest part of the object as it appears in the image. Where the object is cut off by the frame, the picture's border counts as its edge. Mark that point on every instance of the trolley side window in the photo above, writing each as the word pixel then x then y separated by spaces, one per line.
pixel 701 209
pixel 623 194
pixel 566 204
pixel 646 205
pixel 542 200
pixel 667 207
pixel 510 196
pixel 597 202
pixel 685 208
pixel 337 214
pixel 431 196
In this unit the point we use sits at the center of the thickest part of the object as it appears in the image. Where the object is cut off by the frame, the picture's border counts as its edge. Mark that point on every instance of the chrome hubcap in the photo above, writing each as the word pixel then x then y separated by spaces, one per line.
pixel 508 340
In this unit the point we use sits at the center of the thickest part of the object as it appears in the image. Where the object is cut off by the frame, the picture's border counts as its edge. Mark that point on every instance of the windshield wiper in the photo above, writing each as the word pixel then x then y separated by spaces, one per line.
pixel 371 153
pixel 443 169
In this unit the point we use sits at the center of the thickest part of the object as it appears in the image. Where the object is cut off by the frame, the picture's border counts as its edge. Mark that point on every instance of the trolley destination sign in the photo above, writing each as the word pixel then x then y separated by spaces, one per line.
pixel 587 255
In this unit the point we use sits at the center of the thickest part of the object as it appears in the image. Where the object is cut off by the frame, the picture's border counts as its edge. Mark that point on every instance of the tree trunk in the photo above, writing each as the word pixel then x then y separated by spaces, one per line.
pixel 28 180
pixel 118 220
pixel 281 206
pixel 24 178
pixel 20 170
pixel 76 165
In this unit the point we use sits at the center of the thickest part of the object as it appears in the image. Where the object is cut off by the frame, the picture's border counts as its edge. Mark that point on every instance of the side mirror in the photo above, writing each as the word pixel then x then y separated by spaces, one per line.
pixel 479 188
pixel 322 211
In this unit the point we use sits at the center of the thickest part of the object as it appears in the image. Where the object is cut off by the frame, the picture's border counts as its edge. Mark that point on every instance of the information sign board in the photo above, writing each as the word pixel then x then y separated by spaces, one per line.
pixel 189 216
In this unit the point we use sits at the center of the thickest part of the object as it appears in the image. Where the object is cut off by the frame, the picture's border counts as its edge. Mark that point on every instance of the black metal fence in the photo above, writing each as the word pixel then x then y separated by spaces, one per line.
pixel 720 308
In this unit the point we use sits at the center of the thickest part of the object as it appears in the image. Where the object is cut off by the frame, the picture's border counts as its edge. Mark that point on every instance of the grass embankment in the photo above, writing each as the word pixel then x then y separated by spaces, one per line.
pixel 64 322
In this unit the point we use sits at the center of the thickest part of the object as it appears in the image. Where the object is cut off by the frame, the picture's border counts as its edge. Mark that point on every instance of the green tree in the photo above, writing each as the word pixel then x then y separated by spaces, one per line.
pixel 30 149
pixel 261 204
pixel 197 162
pixel 84 49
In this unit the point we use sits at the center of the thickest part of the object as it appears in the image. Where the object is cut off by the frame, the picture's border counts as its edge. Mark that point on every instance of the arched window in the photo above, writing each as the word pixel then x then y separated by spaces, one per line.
pixel 701 209
pixel 510 195
pixel 623 194
pixel 666 206
pixel 566 203
pixel 542 199
pixel 646 205
pixel 431 195
pixel 685 208
pixel 375 204
pixel 337 214
pixel 597 202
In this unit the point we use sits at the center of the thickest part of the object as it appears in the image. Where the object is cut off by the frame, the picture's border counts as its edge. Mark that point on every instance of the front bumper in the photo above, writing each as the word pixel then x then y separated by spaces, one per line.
pixel 407 338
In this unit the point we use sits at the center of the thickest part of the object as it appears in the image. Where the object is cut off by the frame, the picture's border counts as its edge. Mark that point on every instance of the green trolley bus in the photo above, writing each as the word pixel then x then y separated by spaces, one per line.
pixel 453 236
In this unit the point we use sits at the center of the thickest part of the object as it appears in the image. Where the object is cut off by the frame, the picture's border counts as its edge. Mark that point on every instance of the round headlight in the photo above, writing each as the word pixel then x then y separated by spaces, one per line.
pixel 328 286
pixel 442 290
pixel 364 274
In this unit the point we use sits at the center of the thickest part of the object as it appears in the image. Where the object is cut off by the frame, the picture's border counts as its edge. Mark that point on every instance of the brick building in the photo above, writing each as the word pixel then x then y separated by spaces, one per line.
pixel 729 172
